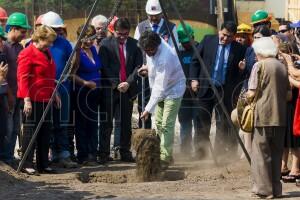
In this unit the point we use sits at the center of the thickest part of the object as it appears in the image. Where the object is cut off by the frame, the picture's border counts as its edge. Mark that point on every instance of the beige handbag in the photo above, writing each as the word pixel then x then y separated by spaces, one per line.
pixel 246 107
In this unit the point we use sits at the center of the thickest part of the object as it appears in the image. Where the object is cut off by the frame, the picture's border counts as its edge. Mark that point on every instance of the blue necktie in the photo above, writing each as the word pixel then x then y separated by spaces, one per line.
pixel 155 28
pixel 220 71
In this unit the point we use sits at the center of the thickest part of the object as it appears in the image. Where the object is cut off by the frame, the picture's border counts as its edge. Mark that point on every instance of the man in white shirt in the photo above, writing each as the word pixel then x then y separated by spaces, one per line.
pixel 157 24
pixel 167 83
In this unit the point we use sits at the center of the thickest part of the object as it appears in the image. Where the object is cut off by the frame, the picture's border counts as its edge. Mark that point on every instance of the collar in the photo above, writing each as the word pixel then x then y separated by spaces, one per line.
pixel 124 44
pixel 159 24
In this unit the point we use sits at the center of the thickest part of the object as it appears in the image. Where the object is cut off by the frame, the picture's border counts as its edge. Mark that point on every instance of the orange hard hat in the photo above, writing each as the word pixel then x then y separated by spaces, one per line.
pixel 111 25
pixel 38 21
pixel 3 14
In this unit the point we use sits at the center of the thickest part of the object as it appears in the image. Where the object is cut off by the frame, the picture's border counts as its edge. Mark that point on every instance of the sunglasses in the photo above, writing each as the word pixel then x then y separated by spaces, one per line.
pixel 282 31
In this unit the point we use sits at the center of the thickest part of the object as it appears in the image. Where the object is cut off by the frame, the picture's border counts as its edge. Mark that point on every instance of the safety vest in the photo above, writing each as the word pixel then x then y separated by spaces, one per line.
pixel 163 31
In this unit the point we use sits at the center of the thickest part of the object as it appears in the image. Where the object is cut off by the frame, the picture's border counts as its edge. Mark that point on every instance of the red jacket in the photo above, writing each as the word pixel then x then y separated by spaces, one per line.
pixel 35 74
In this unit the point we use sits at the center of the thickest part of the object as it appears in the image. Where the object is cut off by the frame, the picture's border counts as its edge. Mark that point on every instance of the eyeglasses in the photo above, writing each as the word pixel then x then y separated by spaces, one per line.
pixel 122 33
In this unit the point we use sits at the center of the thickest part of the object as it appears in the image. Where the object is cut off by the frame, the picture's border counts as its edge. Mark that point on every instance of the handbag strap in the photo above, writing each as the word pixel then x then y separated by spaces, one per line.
pixel 259 82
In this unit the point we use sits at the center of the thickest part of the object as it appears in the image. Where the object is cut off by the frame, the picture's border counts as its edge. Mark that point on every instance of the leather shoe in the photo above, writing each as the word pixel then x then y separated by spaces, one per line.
pixel 47 170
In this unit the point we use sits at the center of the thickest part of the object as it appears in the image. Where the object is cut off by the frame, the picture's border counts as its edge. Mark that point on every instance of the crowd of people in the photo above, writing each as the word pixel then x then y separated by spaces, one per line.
pixel 106 76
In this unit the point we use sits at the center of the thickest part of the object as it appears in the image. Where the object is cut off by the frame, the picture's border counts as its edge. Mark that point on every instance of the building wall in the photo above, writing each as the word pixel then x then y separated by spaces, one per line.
pixel 277 7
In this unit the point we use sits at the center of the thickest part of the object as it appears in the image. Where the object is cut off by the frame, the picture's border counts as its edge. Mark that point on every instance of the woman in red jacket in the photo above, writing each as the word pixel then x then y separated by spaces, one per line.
pixel 36 83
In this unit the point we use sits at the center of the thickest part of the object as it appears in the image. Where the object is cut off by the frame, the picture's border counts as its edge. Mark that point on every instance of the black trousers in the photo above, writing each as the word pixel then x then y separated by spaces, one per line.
pixel 43 137
pixel 225 140
pixel 147 91
pixel 115 100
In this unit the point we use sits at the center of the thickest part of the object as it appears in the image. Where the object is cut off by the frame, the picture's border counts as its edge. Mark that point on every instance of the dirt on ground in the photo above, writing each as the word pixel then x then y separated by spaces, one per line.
pixel 184 180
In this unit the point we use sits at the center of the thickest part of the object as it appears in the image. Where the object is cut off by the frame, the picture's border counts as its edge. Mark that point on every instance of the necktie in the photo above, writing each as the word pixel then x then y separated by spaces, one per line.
pixel 122 63
pixel 155 28
pixel 220 71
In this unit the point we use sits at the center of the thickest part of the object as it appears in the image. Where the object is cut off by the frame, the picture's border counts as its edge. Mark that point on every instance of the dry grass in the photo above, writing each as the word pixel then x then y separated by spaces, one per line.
pixel 200 28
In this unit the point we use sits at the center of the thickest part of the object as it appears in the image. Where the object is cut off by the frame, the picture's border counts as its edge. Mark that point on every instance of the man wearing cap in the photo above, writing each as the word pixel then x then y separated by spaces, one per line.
pixel 17 26
pixel 244 35
pixel 99 22
pixel 157 24
pixel 187 114
pixel 61 51
pixel 286 29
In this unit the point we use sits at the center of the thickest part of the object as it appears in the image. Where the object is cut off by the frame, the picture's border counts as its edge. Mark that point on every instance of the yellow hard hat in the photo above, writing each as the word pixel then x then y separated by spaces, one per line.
pixel 244 28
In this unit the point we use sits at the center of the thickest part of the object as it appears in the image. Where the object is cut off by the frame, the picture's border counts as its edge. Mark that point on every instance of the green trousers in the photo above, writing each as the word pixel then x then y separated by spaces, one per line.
pixel 165 118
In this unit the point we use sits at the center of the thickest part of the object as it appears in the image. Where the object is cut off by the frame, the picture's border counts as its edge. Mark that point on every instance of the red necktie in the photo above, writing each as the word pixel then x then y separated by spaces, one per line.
pixel 122 63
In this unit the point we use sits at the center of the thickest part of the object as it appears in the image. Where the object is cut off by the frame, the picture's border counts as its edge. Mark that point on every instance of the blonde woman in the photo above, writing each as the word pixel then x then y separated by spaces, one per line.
pixel 36 83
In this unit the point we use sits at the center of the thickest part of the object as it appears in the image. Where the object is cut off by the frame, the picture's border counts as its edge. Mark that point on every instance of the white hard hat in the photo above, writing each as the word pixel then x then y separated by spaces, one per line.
pixel 53 20
pixel 153 7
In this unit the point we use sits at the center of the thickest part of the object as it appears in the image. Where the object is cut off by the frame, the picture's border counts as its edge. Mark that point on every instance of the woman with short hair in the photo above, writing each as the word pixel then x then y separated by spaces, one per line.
pixel 269 81
pixel 36 83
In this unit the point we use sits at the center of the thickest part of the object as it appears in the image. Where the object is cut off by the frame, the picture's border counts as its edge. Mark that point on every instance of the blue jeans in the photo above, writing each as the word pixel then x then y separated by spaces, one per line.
pixel 13 129
pixel 60 144
pixel 3 123
pixel 86 122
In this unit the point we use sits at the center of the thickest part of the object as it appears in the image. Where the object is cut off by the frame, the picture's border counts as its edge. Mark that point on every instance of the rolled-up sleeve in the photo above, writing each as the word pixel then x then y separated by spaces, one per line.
pixel 253 79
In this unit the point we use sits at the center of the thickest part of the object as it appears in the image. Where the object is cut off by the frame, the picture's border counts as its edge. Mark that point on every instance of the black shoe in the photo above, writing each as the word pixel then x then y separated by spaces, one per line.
pixel 110 159
pixel 47 170
pixel 128 158
pixel 102 160
pixel 164 164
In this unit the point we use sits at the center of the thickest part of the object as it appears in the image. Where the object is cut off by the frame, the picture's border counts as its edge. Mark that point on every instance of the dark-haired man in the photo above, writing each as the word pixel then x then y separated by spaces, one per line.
pixel 221 55
pixel 168 83
pixel 120 57
pixel 17 25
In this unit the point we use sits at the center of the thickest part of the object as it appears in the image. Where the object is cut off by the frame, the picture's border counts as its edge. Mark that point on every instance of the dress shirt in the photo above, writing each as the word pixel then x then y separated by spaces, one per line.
pixel 166 77
pixel 216 65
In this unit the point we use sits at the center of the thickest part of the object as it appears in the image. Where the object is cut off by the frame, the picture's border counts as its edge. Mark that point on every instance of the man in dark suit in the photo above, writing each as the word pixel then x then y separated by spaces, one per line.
pixel 120 57
pixel 221 55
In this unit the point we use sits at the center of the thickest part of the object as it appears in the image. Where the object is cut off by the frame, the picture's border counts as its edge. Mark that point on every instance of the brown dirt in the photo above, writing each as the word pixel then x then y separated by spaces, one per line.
pixel 184 180
pixel 147 146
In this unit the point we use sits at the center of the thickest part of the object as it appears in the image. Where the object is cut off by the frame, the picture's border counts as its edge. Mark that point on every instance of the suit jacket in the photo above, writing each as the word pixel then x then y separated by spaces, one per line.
pixel 109 54
pixel 234 77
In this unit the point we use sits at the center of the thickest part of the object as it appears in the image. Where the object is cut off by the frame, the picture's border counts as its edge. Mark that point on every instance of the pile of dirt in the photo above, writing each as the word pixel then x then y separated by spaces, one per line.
pixel 146 143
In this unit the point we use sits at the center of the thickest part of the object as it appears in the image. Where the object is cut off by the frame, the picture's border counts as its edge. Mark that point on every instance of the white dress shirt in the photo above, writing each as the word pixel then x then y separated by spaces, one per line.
pixel 137 33
pixel 166 77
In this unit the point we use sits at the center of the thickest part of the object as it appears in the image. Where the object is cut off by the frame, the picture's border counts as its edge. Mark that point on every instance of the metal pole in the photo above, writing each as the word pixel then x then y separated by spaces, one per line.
pixel 143 100
pixel 182 64
pixel 56 88
pixel 211 83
